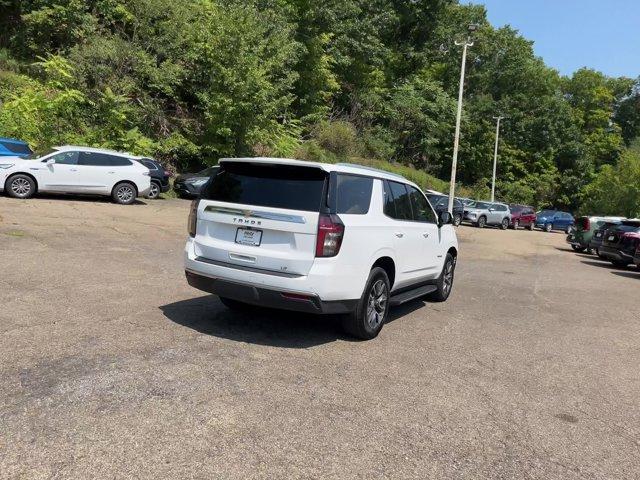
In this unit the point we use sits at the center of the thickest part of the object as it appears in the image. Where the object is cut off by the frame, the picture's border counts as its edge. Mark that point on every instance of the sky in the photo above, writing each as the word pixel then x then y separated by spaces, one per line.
pixel 570 34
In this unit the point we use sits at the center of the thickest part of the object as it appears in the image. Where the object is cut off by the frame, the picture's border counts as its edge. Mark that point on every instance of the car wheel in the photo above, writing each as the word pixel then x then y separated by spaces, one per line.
pixel 548 227
pixel 20 186
pixel 569 230
pixel 589 251
pixel 598 253
pixel 578 249
pixel 371 313
pixel 154 191
pixel 457 219
pixel 505 224
pixel 619 263
pixel 482 221
pixel 532 226
pixel 445 280
pixel 516 224
pixel 124 193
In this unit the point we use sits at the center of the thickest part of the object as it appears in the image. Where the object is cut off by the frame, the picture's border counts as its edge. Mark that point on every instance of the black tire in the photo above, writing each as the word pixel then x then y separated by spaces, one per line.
pixel 124 193
pixel 548 227
pixel 516 224
pixel 568 230
pixel 531 226
pixel 598 253
pixel 589 251
pixel 482 222
pixel 445 280
pixel 578 249
pixel 504 224
pixel 371 313
pixel 457 219
pixel 619 264
pixel 20 186
pixel 155 190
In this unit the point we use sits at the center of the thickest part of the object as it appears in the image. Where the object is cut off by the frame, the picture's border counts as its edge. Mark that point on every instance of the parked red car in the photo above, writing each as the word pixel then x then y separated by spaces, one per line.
pixel 522 216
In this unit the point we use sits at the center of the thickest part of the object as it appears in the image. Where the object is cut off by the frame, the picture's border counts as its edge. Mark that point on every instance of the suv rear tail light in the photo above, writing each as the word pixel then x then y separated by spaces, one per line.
pixel 330 234
pixel 193 217
pixel 586 224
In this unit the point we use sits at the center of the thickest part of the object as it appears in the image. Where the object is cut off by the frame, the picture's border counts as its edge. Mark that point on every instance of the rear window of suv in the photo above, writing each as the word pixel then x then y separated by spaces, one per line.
pixel 268 185
pixel 353 194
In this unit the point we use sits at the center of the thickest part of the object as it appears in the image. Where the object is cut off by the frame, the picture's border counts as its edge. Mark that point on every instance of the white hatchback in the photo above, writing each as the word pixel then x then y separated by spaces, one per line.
pixel 318 238
pixel 81 170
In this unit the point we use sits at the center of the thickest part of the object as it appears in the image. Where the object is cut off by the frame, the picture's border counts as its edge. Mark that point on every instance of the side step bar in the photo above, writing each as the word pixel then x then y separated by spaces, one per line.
pixel 407 296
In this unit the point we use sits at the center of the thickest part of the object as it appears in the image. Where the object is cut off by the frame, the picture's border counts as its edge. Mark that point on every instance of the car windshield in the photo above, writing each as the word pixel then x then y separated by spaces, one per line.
pixel 546 213
pixel 207 172
pixel 516 209
pixel 480 205
pixel 36 156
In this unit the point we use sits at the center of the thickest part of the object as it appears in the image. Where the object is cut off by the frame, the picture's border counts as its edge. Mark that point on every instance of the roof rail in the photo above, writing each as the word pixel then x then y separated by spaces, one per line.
pixel 371 169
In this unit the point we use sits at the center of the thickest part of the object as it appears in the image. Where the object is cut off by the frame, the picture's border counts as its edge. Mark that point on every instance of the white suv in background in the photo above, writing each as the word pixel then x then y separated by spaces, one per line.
pixel 319 238
pixel 82 170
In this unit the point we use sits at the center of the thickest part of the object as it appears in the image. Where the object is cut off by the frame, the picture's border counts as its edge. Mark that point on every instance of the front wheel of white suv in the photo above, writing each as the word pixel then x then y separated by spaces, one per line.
pixel 371 313
pixel 445 280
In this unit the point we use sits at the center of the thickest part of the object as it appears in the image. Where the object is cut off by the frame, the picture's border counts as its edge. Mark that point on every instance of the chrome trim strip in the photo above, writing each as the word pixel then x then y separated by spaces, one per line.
pixel 282 217
pixel 244 268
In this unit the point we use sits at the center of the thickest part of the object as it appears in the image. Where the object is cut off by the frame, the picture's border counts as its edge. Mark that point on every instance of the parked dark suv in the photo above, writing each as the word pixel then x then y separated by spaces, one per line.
pixel 189 185
pixel 159 177
pixel 440 203
pixel 522 216
pixel 620 243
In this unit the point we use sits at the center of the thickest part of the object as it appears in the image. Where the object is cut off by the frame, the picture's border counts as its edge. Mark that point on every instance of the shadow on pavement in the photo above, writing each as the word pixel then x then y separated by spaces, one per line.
pixel 261 326
pixel 83 198
pixel 257 325
pixel 628 274
pixel 604 264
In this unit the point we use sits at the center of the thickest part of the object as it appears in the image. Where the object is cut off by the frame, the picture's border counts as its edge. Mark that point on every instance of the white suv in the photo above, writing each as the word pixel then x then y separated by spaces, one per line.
pixel 81 170
pixel 313 237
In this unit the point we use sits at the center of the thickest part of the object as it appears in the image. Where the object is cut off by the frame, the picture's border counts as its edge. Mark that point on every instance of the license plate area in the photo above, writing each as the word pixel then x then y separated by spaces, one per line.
pixel 249 236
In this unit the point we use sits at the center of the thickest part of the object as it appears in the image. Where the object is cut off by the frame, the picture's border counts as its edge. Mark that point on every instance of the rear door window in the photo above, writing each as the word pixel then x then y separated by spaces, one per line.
pixel 268 185
pixel 400 204
pixel 422 211
pixel 96 159
pixel 353 194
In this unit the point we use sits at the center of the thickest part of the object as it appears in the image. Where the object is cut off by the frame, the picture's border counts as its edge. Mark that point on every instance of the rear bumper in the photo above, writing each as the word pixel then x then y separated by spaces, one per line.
pixel 267 297
pixel 615 254
pixel 186 190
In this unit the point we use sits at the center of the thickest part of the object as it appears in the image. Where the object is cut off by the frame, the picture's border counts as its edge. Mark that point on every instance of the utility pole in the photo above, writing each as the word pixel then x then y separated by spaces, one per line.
pixel 495 158
pixel 456 142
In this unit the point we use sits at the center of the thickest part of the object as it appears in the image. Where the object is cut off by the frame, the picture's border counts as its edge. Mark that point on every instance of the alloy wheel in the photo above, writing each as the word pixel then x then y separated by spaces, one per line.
pixel 154 191
pixel 125 194
pixel 377 304
pixel 21 187
pixel 516 225
pixel 447 278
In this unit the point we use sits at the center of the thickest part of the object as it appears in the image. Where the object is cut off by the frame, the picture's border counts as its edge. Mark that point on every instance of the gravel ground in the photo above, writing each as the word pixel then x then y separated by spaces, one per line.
pixel 111 366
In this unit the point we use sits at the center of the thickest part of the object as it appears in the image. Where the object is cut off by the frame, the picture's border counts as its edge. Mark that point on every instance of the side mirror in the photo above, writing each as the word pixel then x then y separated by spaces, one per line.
pixel 51 161
pixel 444 218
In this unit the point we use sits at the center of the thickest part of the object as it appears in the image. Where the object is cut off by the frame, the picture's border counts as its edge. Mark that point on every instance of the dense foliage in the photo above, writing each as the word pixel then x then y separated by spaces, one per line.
pixel 373 81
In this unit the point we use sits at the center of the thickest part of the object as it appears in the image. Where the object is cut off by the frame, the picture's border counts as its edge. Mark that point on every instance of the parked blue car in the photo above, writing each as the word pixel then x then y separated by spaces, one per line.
pixel 10 147
pixel 549 220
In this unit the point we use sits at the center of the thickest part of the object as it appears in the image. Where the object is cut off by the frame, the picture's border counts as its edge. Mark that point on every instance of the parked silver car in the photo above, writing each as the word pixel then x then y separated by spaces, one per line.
pixel 481 214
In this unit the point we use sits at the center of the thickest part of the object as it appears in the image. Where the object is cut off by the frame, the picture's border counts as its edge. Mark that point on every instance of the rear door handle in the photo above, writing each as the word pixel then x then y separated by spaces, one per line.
pixel 425 234
pixel 112 172
pixel 73 169
pixel 399 235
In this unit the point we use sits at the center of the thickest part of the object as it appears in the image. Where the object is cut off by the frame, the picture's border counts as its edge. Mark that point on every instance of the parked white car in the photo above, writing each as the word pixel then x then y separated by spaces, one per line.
pixel 80 170
pixel 319 238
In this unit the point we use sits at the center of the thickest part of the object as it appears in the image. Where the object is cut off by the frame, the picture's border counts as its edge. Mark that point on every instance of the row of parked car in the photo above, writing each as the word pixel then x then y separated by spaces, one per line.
pixel 482 214
pixel 616 239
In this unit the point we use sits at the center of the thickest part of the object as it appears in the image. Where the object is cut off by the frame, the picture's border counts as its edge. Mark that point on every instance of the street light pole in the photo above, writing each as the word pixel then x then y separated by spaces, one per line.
pixel 495 158
pixel 456 142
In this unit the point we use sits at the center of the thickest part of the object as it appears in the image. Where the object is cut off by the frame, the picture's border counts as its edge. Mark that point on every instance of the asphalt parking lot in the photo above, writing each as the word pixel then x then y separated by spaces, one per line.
pixel 111 366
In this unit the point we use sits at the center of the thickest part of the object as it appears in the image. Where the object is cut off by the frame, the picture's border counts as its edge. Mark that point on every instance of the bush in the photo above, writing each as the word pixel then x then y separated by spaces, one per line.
pixel 339 138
